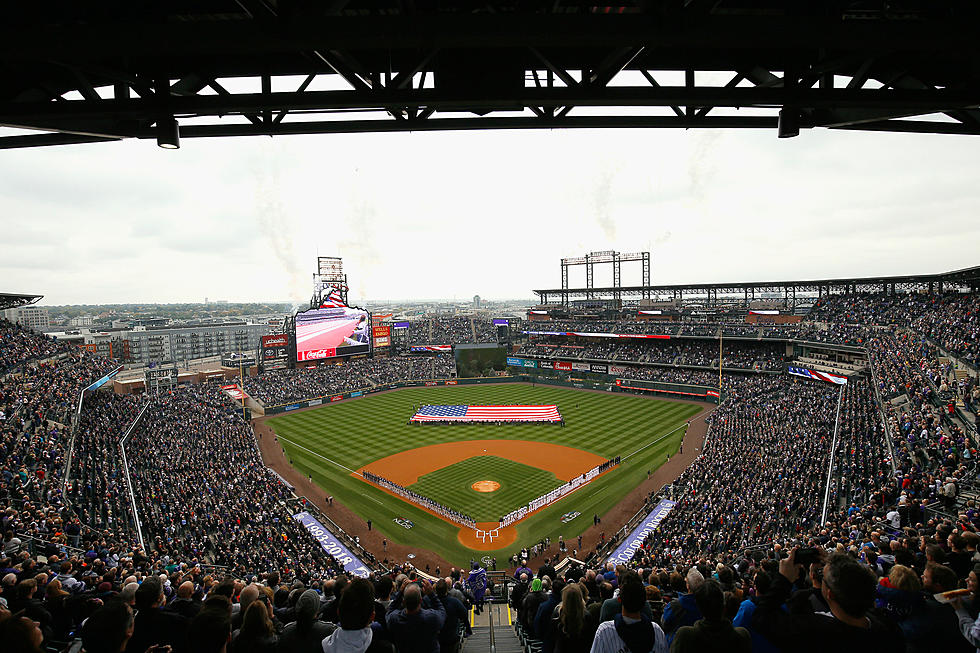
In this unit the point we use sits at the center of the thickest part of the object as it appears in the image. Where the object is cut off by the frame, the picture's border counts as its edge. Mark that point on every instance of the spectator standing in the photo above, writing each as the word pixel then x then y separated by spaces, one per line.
pixel 712 630
pixel 571 634
pixel 416 627
pixel 306 634
pixel 153 624
pixel 849 589
pixel 257 634
pixel 630 630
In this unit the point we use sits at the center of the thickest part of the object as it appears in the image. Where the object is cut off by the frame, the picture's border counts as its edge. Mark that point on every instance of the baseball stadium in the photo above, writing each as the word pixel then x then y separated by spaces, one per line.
pixel 640 462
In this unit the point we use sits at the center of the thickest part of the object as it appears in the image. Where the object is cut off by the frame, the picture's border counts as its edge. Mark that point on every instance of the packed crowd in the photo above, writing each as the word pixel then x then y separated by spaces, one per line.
pixel 19 345
pixel 452 330
pixel 698 353
pixel 203 492
pixel 36 409
pixel 277 387
pixel 896 530
pixel 97 486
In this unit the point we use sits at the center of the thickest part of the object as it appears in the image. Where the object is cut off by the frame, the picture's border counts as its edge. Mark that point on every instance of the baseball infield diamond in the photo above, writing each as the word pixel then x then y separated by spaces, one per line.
pixel 332 442
pixel 453 486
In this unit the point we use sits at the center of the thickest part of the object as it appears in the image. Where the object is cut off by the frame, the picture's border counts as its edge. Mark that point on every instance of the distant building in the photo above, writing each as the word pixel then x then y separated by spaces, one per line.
pixel 31 317
pixel 476 301
pixel 141 345
pixel 81 321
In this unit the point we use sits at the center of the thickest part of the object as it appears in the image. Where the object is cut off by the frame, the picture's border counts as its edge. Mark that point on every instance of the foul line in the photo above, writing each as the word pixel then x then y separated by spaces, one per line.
pixel 685 425
pixel 318 455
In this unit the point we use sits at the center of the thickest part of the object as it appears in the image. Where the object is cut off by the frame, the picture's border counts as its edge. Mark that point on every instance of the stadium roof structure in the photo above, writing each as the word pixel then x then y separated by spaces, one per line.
pixel 94 72
pixel 14 300
pixel 965 278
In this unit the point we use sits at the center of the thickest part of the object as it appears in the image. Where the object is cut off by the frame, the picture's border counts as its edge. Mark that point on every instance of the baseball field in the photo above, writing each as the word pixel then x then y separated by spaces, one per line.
pixel 482 470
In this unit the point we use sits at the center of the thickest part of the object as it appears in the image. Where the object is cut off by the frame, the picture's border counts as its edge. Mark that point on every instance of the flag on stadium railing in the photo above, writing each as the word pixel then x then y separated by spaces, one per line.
pixel 818 376
pixel 487 414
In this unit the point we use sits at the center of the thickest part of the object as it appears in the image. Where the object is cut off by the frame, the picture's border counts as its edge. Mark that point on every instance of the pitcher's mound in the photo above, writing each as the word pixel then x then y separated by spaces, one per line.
pixel 486 486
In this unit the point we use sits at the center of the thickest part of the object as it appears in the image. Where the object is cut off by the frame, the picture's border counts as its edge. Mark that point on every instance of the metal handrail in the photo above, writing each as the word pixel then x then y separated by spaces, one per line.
pixel 493 639
pixel 129 483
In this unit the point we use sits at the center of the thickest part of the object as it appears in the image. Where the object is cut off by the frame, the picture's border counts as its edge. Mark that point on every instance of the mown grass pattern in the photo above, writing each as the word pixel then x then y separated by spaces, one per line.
pixel 355 433
pixel 453 486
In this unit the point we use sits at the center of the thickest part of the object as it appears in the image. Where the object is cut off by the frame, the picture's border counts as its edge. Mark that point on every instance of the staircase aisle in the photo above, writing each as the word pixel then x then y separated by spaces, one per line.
pixel 505 639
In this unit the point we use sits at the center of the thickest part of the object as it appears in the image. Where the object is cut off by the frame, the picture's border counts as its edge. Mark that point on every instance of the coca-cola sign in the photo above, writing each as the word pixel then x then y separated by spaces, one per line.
pixel 316 354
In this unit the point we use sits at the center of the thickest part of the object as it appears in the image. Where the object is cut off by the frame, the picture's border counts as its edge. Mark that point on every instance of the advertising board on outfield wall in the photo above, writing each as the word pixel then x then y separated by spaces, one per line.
pixel 621 385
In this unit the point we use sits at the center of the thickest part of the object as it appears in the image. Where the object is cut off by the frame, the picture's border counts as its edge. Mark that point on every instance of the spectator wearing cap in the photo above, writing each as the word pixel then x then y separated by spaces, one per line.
pixel 306 634
pixel 849 589
pixel 683 611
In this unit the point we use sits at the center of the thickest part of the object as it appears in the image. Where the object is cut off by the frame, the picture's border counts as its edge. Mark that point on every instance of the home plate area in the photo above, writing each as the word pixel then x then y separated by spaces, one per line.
pixel 484 486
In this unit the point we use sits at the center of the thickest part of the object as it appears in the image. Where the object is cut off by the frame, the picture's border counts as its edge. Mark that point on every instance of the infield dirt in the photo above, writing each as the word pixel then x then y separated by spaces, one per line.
pixel 354 525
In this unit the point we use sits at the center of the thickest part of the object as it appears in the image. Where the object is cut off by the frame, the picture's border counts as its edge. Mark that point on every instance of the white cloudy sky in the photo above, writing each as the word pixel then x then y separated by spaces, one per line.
pixel 433 215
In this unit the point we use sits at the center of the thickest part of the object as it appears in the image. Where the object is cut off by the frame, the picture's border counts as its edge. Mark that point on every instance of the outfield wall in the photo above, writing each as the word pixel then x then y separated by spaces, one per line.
pixel 697 393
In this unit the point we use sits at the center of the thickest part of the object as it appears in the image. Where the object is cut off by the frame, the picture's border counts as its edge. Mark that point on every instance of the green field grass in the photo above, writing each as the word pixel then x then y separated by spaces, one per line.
pixel 451 486
pixel 332 441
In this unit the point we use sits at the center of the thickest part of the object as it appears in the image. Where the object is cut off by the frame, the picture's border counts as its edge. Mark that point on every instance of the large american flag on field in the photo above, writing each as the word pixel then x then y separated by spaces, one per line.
pixel 487 414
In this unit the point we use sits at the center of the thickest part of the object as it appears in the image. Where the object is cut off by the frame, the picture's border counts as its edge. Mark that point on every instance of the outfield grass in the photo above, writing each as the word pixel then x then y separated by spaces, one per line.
pixel 452 486
pixel 333 440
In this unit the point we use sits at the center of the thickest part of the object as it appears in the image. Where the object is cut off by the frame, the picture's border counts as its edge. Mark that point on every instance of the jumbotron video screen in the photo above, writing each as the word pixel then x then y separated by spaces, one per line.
pixel 328 332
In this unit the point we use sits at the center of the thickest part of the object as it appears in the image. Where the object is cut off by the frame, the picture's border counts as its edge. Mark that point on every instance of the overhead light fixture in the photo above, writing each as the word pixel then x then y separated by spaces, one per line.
pixel 789 123
pixel 168 134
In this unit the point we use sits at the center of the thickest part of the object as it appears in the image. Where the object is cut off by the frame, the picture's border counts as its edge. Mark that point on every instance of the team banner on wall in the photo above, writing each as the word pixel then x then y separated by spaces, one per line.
pixel 625 551
pixel 332 546
pixel 586 334
pixel 818 376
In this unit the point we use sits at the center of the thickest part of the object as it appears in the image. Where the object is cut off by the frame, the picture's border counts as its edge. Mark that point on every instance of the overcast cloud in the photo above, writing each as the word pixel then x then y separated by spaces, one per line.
pixel 441 215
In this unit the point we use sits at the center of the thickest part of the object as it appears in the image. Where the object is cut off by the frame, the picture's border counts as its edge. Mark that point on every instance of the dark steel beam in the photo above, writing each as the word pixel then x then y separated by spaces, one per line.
pixel 309 32
pixel 906 101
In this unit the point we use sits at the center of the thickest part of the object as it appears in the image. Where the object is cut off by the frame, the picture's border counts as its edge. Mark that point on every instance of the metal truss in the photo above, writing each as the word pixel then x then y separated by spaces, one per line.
pixel 13 300
pixel 278 67
pixel 967 278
